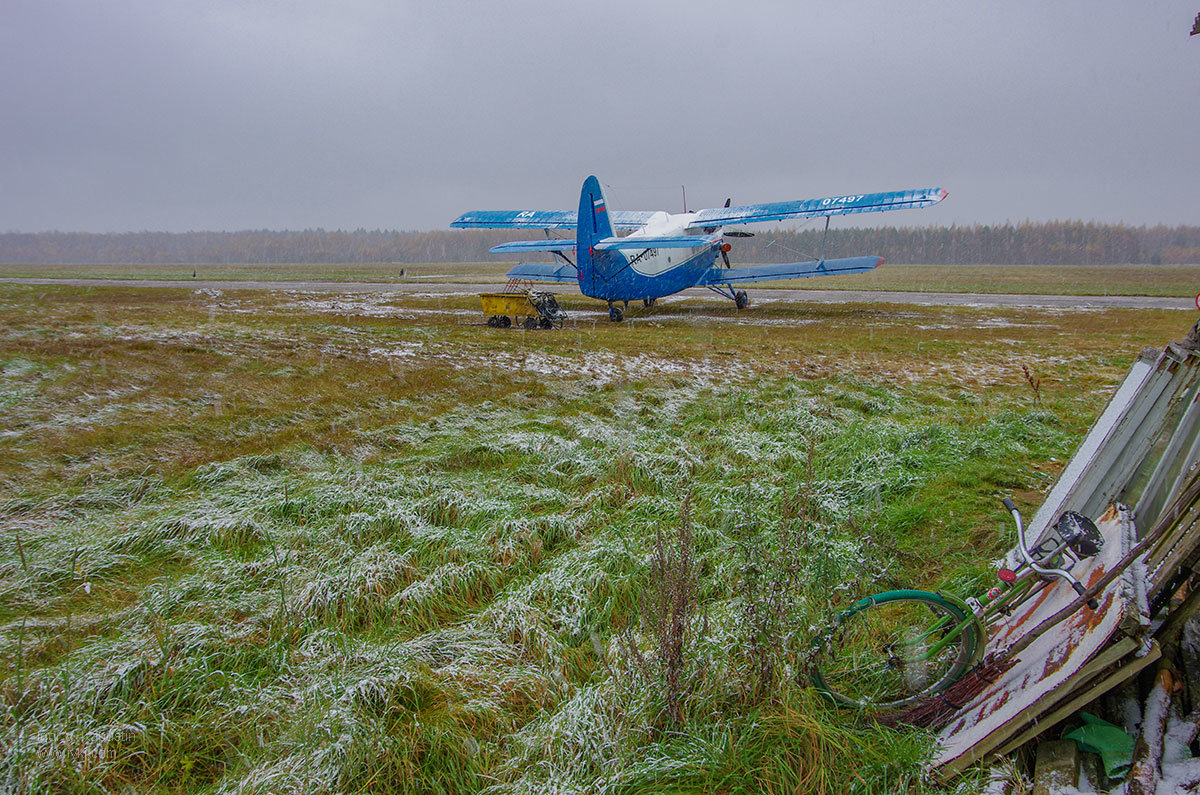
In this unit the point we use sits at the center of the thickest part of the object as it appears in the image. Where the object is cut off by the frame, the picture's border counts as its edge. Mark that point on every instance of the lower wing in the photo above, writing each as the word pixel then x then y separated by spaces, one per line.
pixel 791 270
pixel 545 273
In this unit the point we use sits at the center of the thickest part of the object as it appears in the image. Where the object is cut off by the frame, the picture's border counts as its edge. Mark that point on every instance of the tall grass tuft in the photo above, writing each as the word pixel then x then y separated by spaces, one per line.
pixel 669 611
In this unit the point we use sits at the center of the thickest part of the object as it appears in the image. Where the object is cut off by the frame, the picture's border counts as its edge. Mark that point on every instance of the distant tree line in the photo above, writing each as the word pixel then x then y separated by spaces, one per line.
pixel 1049 243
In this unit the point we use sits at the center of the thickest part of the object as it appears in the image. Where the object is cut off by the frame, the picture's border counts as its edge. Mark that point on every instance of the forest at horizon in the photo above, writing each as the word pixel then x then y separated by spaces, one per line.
pixel 1027 243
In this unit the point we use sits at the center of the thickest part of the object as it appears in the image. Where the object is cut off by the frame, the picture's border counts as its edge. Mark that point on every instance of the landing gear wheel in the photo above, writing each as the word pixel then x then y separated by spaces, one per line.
pixel 531 323
pixel 615 314
pixel 889 651
pixel 740 299
pixel 649 301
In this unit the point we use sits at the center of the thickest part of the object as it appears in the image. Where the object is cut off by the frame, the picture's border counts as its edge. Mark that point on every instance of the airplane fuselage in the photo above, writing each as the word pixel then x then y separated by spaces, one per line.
pixel 652 272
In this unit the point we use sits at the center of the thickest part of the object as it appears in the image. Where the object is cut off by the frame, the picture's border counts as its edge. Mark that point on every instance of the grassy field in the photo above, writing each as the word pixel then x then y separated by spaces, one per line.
pixel 322 543
pixel 1157 280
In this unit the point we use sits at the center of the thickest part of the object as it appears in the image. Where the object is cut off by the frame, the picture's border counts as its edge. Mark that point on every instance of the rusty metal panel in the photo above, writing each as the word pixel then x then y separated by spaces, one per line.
pixel 1054 660
pixel 1107 676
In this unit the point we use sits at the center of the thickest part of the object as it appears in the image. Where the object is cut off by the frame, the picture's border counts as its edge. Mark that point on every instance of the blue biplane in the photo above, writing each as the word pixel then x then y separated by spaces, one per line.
pixel 665 253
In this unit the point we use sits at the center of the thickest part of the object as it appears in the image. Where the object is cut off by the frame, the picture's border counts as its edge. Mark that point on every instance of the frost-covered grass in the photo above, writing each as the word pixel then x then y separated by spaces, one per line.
pixel 246 546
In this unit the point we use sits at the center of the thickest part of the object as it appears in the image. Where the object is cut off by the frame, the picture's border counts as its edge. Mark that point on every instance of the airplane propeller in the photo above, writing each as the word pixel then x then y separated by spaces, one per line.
pixel 724 248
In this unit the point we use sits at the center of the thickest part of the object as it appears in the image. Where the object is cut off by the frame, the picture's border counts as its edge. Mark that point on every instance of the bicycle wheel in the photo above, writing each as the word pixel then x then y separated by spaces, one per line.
pixel 888 651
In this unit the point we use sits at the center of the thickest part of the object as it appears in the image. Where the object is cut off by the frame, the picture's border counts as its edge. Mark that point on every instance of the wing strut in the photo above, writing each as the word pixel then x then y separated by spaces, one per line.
pixel 823 238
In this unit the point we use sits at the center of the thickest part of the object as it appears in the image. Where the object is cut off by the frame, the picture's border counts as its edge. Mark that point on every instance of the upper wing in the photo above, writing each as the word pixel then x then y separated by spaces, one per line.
pixel 721 216
pixel 791 270
pixel 815 208
pixel 544 219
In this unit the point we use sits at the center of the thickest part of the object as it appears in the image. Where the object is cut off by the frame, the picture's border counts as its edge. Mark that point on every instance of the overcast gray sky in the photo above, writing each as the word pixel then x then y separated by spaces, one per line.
pixel 131 115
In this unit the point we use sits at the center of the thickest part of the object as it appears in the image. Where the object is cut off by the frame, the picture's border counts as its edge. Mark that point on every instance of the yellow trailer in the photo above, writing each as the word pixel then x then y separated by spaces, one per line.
pixel 501 308
pixel 529 309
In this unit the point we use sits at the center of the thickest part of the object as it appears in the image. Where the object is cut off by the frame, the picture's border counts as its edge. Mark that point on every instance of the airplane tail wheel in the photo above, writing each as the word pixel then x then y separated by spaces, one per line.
pixel 740 299
pixel 615 314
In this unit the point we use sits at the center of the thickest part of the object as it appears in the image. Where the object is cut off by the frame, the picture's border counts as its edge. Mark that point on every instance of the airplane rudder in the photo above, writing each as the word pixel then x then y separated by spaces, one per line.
pixel 593 210
pixel 593 224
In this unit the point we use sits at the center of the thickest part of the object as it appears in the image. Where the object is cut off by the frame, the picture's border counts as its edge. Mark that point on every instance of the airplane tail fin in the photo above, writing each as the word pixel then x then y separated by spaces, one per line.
pixel 594 224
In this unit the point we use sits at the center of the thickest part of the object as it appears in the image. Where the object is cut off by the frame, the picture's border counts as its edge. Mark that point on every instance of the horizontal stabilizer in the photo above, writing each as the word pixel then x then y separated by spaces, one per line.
pixel 641 243
pixel 792 270
pixel 544 219
pixel 534 245
pixel 545 273
pixel 815 208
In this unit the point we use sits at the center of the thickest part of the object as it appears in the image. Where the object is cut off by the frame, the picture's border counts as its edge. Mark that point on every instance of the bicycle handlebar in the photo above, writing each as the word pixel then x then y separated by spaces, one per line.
pixel 1044 571
pixel 1079 589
